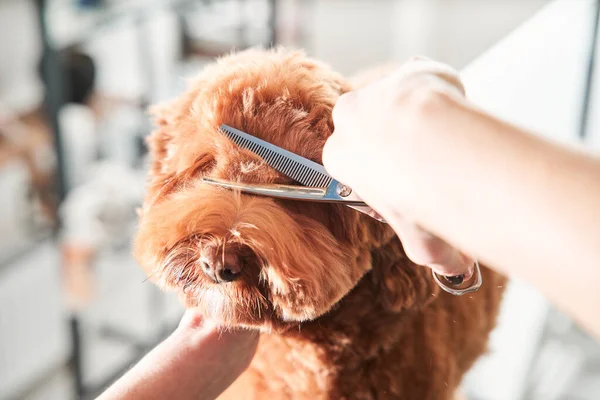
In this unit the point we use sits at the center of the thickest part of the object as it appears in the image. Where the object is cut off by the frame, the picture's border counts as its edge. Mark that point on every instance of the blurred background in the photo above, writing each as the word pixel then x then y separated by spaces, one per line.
pixel 76 77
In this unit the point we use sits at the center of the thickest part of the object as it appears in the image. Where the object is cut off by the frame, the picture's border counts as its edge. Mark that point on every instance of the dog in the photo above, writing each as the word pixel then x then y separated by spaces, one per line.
pixel 343 313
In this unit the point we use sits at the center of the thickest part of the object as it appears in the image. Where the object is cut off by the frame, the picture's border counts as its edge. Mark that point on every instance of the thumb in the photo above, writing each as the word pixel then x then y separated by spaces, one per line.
pixel 333 154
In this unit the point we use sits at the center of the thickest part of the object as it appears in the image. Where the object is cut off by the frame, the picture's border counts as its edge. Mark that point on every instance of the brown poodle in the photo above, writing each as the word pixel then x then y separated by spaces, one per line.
pixel 344 314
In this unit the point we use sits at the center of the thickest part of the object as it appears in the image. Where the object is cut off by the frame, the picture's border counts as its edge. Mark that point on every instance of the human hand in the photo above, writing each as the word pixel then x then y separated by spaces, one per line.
pixel 381 135
pixel 197 361
pixel 220 355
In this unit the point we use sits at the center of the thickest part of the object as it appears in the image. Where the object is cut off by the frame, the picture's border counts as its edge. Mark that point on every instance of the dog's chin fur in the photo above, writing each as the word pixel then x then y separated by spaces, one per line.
pixel 367 322
pixel 305 257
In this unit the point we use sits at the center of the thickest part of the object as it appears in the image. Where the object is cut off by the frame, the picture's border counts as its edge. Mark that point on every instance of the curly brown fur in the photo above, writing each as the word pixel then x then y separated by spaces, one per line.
pixel 344 313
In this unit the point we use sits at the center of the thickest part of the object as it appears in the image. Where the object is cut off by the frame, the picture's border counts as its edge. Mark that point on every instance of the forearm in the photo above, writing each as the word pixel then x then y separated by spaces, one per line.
pixel 523 205
pixel 168 371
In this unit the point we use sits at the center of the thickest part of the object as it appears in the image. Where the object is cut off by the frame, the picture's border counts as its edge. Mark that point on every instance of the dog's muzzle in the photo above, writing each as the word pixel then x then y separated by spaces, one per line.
pixel 220 269
pixel 225 264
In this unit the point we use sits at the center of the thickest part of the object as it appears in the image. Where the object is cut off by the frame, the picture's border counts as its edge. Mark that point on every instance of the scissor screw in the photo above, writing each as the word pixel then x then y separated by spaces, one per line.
pixel 343 190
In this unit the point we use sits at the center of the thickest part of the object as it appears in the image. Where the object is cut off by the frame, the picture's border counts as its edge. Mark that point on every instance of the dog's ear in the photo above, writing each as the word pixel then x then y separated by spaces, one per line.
pixel 160 142
pixel 172 123
pixel 161 147
pixel 400 284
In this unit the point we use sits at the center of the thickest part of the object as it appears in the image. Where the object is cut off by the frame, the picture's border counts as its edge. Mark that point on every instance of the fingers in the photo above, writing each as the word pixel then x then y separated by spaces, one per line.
pixel 217 356
pixel 339 153
pixel 192 319
pixel 235 347
pixel 331 155
pixel 337 161
pixel 426 249
pixel 209 329
pixel 363 121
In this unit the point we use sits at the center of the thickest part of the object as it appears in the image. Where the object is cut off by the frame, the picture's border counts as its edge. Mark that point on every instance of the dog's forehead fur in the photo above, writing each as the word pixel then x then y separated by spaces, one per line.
pixel 285 99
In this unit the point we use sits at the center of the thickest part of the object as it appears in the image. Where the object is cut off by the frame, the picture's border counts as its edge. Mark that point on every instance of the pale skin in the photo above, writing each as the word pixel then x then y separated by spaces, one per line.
pixel 445 176
pixel 197 361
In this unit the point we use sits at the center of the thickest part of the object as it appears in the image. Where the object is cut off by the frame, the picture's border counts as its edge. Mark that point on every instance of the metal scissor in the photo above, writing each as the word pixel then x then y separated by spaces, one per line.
pixel 318 186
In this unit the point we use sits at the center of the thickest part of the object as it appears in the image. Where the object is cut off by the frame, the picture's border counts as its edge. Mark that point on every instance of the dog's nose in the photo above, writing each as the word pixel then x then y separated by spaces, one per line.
pixel 221 267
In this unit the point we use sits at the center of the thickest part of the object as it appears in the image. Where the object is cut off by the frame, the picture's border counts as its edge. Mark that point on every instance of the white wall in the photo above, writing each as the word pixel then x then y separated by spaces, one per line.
pixel 20 88
pixel 354 34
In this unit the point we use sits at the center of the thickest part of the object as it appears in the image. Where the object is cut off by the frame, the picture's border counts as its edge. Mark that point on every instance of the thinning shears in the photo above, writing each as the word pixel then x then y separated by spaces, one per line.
pixel 318 185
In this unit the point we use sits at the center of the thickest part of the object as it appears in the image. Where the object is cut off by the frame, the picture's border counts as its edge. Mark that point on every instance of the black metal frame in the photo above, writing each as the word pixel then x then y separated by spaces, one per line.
pixel 54 95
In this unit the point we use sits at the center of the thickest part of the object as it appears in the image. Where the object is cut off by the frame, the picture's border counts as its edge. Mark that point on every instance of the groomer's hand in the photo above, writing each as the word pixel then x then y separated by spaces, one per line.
pixel 198 361
pixel 378 128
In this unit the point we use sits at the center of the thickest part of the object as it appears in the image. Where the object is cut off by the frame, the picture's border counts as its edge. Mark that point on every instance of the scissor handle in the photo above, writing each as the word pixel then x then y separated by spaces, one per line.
pixel 459 289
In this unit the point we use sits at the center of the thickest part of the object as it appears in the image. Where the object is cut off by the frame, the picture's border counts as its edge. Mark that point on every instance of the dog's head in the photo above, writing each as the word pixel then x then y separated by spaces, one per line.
pixel 247 260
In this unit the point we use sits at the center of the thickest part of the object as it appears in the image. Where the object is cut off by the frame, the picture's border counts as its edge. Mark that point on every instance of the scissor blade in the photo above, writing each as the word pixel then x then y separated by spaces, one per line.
pixel 300 169
pixel 369 211
pixel 272 190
